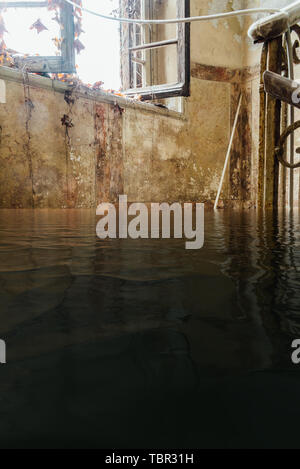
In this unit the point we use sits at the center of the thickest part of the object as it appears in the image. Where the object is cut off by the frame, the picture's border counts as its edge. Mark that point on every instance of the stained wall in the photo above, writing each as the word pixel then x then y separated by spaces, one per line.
pixel 114 146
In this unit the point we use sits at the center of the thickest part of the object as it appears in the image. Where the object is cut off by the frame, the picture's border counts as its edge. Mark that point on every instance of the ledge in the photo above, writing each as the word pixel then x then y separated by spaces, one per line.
pixel 36 81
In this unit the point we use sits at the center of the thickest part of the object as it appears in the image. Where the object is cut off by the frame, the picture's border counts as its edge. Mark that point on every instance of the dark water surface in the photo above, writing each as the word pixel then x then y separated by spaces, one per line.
pixel 118 344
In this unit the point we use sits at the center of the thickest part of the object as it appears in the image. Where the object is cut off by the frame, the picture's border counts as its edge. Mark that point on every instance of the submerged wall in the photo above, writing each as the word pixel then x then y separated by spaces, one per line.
pixel 116 147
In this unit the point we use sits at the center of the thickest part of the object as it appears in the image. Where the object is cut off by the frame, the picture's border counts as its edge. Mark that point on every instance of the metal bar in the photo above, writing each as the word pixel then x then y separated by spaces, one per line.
pixel 154 45
pixel 292 115
pixel 284 125
pixel 262 130
pixel 23 4
pixel 273 129
pixel 138 61
pixel 282 88
pixel 228 152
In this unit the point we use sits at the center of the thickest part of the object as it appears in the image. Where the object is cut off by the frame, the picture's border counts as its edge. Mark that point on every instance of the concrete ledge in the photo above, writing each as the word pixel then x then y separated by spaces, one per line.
pixel 10 74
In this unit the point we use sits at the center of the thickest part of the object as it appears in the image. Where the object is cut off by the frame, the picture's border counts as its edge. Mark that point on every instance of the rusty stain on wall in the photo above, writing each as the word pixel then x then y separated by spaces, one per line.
pixel 109 153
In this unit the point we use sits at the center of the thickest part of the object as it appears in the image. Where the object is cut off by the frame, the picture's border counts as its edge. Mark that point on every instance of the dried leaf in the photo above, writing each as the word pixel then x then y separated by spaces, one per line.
pixel 56 18
pixel 78 29
pixel 78 46
pixel 67 121
pixel 57 41
pixel 38 26
pixel 98 85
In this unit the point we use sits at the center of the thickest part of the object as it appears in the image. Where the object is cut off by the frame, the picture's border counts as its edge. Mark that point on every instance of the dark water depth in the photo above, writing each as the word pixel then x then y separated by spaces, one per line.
pixel 122 343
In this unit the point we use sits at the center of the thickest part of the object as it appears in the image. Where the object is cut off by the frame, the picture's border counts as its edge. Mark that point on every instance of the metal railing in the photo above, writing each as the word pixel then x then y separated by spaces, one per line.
pixel 277 107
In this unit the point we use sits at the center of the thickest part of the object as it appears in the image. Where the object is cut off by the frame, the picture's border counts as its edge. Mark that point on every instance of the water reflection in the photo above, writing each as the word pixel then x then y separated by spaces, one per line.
pixel 142 343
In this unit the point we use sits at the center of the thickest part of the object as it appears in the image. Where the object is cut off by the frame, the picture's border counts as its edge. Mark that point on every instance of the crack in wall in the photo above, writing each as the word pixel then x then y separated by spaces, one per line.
pixel 66 120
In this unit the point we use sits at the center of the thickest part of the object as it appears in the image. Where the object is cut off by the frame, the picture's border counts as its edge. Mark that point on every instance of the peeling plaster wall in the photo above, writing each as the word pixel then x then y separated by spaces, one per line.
pixel 149 155
pixel 178 160
pixel 43 166
pixel 218 42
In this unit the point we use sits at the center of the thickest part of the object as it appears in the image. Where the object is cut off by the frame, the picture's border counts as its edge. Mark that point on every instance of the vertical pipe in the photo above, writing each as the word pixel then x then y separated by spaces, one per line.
pixel 273 129
pixel 284 124
pixel 262 129
pixel 228 152
pixel 292 116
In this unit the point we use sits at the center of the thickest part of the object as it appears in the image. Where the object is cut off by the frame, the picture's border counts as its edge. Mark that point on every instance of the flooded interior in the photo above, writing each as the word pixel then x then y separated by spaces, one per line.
pixel 124 343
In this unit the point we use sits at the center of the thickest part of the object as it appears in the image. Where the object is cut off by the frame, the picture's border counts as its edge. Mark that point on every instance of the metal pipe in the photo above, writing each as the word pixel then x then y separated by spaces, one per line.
pixel 262 129
pixel 228 152
pixel 292 115
pixel 138 61
pixel 154 45
pixel 273 121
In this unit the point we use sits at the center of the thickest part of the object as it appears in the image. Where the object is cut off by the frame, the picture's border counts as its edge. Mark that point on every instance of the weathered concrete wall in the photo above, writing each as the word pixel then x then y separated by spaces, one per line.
pixel 149 154
pixel 43 163
pixel 178 159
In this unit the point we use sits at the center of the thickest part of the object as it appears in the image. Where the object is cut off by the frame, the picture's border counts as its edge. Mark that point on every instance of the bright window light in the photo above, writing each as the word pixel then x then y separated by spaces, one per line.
pixel 99 61
pixel 26 41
